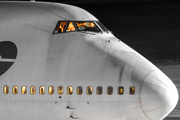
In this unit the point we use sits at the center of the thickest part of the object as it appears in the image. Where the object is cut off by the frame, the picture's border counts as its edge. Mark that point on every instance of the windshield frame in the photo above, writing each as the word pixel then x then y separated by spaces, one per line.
pixel 99 27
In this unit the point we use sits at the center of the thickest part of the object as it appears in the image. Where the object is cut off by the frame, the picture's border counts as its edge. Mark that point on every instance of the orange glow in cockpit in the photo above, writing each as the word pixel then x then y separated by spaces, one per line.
pixel 81 24
pixel 91 24
pixel 70 27
pixel 62 26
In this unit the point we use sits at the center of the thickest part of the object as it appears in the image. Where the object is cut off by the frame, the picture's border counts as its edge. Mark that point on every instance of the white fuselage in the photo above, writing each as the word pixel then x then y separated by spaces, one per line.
pixel 75 59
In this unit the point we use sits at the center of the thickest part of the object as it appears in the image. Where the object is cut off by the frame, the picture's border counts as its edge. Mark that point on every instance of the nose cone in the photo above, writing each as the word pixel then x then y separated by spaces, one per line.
pixel 158 96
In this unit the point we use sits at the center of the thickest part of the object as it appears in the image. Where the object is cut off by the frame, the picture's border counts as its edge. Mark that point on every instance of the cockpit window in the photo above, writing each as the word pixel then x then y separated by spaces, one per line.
pixel 60 27
pixel 70 27
pixel 101 26
pixel 87 26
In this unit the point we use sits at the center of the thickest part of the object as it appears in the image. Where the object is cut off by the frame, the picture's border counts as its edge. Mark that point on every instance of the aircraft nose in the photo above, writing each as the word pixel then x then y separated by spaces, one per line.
pixel 158 96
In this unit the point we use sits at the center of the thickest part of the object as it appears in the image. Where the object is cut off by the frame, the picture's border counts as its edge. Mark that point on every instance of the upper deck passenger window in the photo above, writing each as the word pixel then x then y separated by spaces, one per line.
pixel 60 27
pixel 87 26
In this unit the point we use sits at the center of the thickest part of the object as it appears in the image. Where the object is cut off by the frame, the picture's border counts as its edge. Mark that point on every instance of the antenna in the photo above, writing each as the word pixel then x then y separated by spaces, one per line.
pixel 32 0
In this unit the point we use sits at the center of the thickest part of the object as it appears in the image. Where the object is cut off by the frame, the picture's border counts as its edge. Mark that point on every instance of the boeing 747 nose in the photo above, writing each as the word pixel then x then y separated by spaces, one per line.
pixel 59 62
pixel 158 96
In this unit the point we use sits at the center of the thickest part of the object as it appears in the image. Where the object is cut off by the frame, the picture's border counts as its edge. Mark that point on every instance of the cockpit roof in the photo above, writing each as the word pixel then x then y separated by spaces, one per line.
pixel 60 11
pixel 76 13
pixel 40 15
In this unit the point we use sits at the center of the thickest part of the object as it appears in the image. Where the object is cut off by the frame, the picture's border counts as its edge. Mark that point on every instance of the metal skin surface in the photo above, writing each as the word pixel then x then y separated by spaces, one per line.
pixel 75 59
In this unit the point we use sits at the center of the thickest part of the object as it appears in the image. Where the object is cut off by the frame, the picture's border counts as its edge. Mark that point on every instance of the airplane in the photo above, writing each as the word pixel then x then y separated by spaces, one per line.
pixel 59 62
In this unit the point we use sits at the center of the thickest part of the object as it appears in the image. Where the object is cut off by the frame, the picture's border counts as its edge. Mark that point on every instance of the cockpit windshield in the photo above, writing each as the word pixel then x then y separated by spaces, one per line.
pixel 70 27
pixel 102 26
pixel 87 26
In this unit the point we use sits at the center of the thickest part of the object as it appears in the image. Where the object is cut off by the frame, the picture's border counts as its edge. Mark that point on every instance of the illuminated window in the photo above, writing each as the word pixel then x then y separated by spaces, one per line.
pixel 6 89
pixel 23 90
pixel 132 90
pixel 110 90
pixel 15 90
pixel 120 90
pixel 33 90
pixel 60 90
pixel 99 90
pixel 60 27
pixel 51 90
pixel 70 90
pixel 70 27
pixel 89 90
pixel 41 90
pixel 87 26
pixel 79 90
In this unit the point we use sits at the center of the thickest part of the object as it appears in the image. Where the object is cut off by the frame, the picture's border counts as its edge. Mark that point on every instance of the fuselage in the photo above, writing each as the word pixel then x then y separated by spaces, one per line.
pixel 93 74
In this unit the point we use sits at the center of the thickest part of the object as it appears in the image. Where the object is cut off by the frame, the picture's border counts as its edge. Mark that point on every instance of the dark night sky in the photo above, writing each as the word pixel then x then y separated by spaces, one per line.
pixel 100 1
